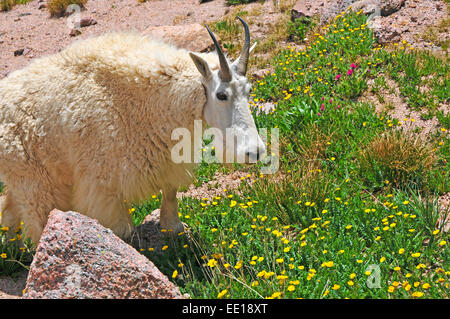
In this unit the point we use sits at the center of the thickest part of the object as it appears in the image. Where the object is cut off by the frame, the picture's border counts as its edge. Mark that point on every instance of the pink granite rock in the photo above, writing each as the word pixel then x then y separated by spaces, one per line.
pixel 388 7
pixel 385 32
pixel 78 258
pixel 325 9
pixel 307 8
pixel 328 9
pixel 85 22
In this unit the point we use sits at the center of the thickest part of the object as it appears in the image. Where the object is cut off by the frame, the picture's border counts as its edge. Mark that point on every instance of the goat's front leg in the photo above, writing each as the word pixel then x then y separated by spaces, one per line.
pixel 169 218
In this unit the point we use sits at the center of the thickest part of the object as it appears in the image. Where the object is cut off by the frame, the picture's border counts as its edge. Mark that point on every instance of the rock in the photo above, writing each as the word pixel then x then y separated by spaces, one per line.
pixel 380 7
pixel 307 8
pixel 78 258
pixel 325 9
pixel 18 52
pixel 85 22
pixel 259 74
pixel 328 9
pixel 333 8
pixel 26 51
pixel 193 37
pixel 74 32
pixel 388 7
pixel 384 32
pixel 367 6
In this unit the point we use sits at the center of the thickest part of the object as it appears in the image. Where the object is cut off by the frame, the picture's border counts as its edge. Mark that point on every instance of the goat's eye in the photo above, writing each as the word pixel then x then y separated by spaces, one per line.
pixel 221 96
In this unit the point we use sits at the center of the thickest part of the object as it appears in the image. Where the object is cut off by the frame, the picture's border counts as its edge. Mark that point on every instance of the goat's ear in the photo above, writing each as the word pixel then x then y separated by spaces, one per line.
pixel 202 65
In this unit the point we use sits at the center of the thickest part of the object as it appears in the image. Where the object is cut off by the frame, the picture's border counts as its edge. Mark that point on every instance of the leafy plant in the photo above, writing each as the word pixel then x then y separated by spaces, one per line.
pixel 235 2
pixel 57 8
pixel 298 28
pixel 6 5
pixel 15 253
pixel 396 158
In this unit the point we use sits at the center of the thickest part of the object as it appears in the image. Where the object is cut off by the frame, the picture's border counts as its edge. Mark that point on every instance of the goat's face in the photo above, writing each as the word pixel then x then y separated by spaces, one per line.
pixel 227 92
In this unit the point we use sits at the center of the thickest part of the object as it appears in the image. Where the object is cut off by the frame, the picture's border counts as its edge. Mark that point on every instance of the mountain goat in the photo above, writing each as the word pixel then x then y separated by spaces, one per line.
pixel 89 129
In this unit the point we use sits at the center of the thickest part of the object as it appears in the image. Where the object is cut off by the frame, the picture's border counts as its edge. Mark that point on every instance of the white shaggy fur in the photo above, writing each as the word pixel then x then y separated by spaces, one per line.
pixel 90 128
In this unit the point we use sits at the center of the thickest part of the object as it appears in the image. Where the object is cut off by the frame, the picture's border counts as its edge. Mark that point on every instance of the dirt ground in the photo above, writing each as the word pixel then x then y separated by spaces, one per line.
pixel 31 29
pixel 401 110
pixel 13 287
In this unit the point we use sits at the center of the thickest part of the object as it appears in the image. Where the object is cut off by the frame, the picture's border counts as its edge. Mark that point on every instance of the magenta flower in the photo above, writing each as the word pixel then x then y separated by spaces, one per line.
pixel 338 77
pixel 350 72
pixel 322 107
pixel 323 98
pixel 319 114
pixel 330 101
pixel 353 65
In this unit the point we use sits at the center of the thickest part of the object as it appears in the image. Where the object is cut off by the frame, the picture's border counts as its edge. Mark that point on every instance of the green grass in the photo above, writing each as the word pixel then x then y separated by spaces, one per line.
pixel 353 210
pixel 298 28
pixel 234 2
pixel 397 158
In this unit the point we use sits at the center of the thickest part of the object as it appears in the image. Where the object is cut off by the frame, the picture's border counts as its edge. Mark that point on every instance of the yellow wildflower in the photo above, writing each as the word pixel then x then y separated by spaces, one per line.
pixel 222 293
pixel 335 287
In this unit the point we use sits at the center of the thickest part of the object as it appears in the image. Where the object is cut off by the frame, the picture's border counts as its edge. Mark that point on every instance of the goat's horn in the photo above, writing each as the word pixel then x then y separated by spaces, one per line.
pixel 225 72
pixel 241 67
